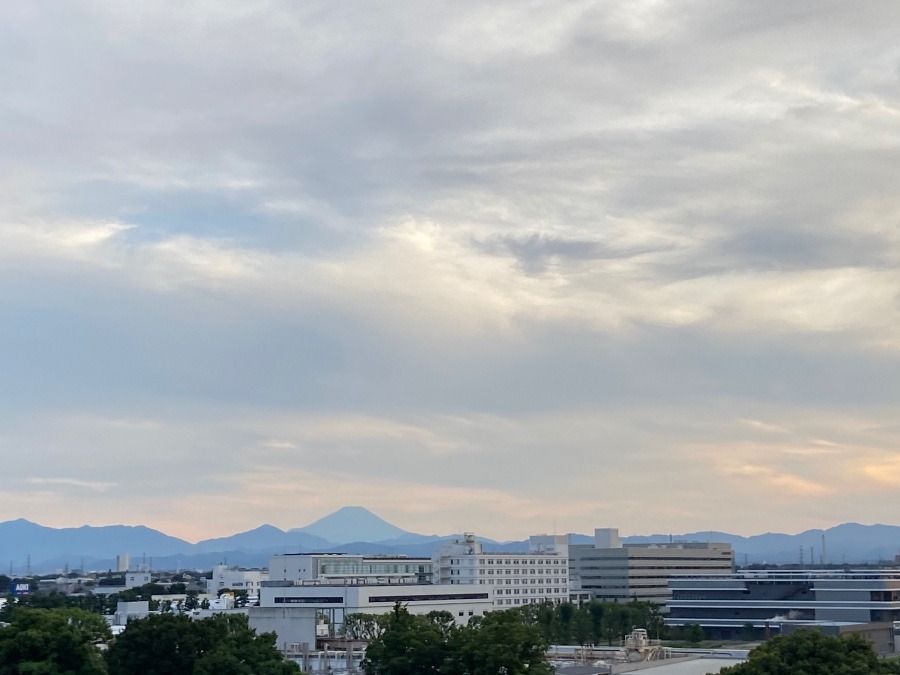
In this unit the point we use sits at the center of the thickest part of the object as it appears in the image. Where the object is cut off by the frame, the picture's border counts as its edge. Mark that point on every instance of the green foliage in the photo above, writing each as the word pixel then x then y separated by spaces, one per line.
pixel 409 645
pixel 499 643
pixel 98 604
pixel 418 645
pixel 168 644
pixel 591 623
pixel 145 592
pixel 52 642
pixel 362 626
pixel 809 652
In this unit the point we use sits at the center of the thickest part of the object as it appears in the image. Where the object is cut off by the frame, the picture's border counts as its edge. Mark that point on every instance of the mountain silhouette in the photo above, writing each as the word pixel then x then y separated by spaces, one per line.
pixel 354 529
pixel 352 524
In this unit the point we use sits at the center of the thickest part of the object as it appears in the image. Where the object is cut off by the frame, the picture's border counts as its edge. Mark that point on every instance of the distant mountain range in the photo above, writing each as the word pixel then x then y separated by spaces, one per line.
pixel 354 529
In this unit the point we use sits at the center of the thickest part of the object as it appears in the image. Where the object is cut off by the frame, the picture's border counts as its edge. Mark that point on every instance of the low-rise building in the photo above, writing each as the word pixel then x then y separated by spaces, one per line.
pixel 727 606
pixel 334 601
pixel 235 579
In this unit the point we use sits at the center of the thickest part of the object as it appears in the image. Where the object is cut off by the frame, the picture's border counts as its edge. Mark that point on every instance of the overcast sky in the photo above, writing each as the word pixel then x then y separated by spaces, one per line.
pixel 510 267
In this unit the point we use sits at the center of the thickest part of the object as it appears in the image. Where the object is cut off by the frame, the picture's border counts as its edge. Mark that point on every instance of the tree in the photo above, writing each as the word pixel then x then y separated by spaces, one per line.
pixel 52 642
pixel 809 652
pixel 409 645
pixel 693 633
pixel 168 644
pixel 362 626
pixel 499 643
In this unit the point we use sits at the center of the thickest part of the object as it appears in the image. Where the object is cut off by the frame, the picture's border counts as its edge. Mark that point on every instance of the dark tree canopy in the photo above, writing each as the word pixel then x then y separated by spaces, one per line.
pixel 52 642
pixel 166 644
pixel 809 652
pixel 423 645
pixel 592 622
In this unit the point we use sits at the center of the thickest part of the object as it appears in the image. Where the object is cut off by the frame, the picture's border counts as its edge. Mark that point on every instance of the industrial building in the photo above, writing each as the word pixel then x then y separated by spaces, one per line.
pixel 610 570
pixel 777 601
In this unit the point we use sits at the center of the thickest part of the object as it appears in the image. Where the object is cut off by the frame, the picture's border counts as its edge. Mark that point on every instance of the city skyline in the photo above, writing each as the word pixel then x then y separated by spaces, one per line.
pixel 507 267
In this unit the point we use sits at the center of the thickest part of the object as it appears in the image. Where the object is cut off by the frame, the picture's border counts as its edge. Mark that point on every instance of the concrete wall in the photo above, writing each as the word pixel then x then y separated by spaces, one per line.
pixel 292 625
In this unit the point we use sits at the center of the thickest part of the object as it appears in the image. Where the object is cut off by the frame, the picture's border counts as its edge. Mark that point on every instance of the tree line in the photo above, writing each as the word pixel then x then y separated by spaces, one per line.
pixel 66 641
pixel 590 623
pixel 433 644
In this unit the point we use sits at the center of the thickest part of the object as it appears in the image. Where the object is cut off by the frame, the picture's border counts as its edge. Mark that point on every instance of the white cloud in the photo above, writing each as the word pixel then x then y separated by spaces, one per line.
pixel 96 486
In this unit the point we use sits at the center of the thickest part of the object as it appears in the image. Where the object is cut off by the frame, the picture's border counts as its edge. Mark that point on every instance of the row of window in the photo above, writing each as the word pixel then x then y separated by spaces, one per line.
pixel 517 571
pixel 517 601
pixel 523 582
pixel 526 591
pixel 524 561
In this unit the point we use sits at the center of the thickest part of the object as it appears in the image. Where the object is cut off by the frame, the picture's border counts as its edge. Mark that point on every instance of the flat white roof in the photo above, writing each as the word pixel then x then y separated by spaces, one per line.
pixel 695 667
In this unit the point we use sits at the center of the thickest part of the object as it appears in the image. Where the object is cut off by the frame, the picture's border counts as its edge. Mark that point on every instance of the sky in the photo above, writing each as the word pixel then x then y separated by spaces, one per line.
pixel 508 267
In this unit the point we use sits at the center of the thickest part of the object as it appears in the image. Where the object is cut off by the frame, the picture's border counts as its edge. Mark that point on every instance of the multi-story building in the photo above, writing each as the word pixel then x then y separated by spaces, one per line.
pixel 611 570
pixel 310 591
pixel 726 606
pixel 235 579
pixel 537 575
pixel 334 600
pixel 324 567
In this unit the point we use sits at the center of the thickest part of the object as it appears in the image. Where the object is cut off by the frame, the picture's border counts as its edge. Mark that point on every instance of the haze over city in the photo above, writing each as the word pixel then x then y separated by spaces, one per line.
pixel 507 267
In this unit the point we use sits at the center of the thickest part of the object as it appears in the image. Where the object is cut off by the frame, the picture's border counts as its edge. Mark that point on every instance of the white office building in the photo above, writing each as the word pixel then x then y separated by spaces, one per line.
pixel 235 579
pixel 338 567
pixel 334 601
pixel 541 574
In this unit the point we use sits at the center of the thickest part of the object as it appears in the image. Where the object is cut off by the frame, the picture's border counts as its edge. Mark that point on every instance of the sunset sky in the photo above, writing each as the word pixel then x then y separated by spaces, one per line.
pixel 510 267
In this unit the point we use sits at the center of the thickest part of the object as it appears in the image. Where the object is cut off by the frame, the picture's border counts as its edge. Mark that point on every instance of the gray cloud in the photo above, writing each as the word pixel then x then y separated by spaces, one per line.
pixel 597 235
